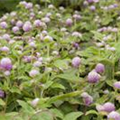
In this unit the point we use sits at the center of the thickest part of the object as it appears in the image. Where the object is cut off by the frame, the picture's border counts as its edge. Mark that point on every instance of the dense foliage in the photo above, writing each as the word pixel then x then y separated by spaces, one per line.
pixel 58 63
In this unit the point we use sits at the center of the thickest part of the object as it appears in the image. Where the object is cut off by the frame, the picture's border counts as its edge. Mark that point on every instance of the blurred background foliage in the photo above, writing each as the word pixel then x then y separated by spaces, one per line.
pixel 9 5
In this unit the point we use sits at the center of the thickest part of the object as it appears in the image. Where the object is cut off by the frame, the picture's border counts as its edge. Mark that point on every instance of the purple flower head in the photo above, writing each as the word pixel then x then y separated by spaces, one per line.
pixel 85 3
pixel 93 77
pixel 114 30
pixel 37 23
pixel 76 61
pixel 4 49
pixel 7 73
pixel 32 15
pixel 3 25
pixel 6 63
pixel 95 1
pixel 27 59
pixel 15 29
pixel 29 5
pixel 113 116
pixel 92 8
pixel 69 22
pixel 76 45
pixel 87 98
pixel 100 68
pixel 19 24
pixel 109 107
pixel 6 37
pixel 46 19
pixel 33 73
pixel 27 26
pixel 117 85
pixel 48 14
pixel 115 5
pixel 76 17
pixel 2 94
pixel 89 1
pixel 76 34
pixel 37 64
pixel 13 21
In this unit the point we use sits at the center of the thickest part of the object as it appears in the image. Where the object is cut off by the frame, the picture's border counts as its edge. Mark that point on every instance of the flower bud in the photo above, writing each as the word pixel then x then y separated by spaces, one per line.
pixel 92 8
pixel 117 85
pixel 35 102
pixel 37 64
pixel 28 5
pixel 6 37
pixel 15 29
pixel 46 19
pixel 34 73
pixel 100 68
pixel 113 116
pixel 27 26
pixel 7 73
pixel 19 24
pixel 69 22
pixel 87 98
pixel 48 38
pixel 93 77
pixel 109 107
pixel 37 23
pixel 76 62
pixel 6 63
pixel 4 49
pixel 76 17
pixel 3 25
pixel 32 44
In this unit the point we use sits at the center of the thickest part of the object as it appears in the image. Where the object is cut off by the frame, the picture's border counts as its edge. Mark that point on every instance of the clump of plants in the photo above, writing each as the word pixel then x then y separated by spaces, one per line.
pixel 60 63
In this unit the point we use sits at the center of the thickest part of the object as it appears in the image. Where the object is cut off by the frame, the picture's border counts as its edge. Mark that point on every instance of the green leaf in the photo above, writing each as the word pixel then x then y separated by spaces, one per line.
pixel 57 113
pixel 64 96
pixel 69 77
pixel 91 112
pixel 61 63
pixel 57 85
pixel 73 116
pixel 25 106
pixel 2 103
pixel 42 115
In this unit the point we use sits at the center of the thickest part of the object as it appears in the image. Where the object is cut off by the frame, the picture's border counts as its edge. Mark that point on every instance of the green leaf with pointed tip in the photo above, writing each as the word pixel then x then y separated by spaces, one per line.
pixel 73 116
